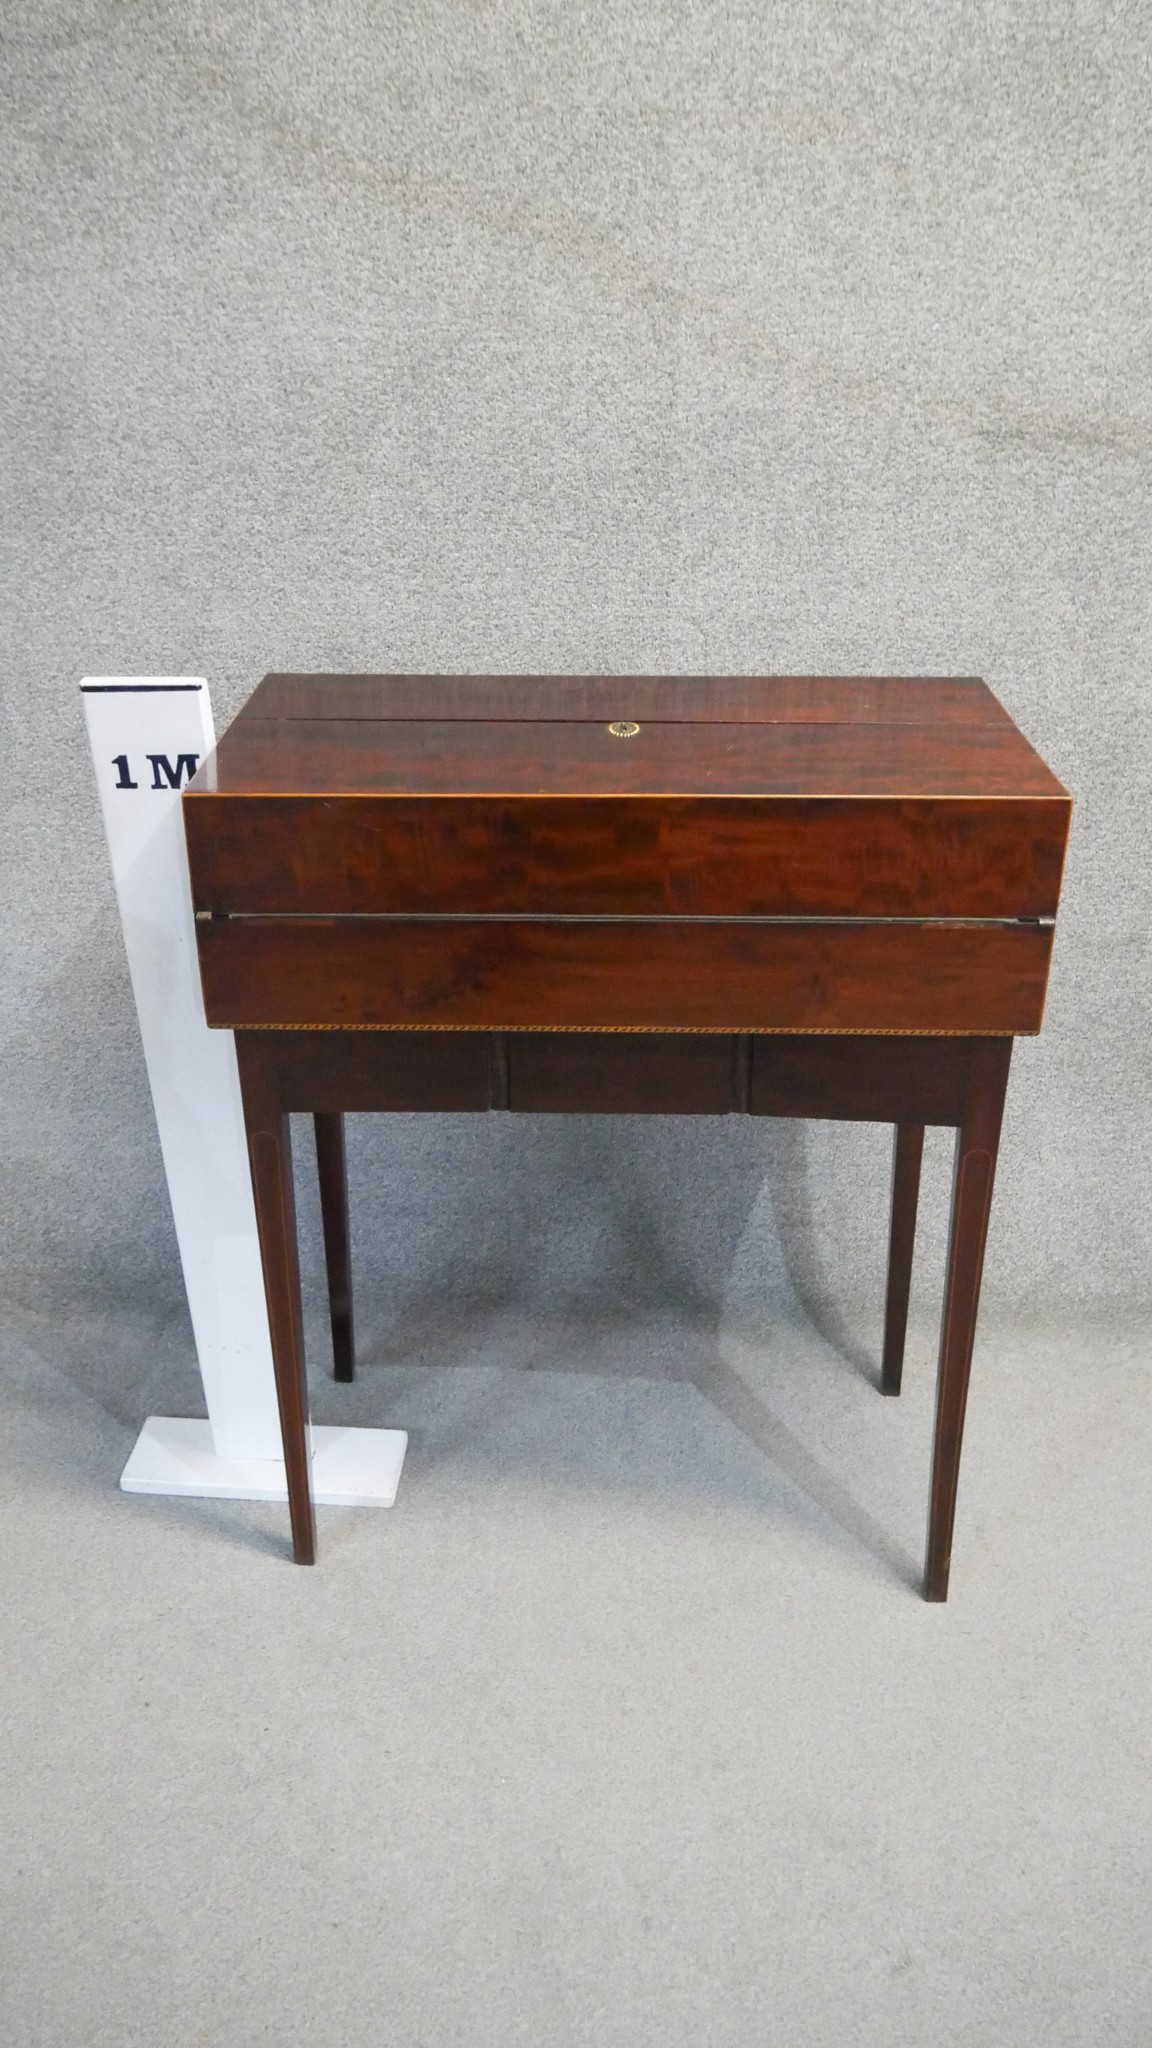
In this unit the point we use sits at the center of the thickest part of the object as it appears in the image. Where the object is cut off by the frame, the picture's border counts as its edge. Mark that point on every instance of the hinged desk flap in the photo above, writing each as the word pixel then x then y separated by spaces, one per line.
pixel 741 797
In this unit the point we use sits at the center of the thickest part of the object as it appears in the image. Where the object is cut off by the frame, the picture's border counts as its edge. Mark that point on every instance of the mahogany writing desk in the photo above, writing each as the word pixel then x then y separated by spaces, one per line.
pixel 794 896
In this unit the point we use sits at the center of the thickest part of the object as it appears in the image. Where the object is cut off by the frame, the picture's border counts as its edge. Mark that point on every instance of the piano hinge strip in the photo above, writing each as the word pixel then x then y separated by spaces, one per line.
pixel 592 917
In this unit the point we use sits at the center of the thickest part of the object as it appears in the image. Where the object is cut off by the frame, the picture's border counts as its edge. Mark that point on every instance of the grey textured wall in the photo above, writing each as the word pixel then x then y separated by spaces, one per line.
pixel 667 336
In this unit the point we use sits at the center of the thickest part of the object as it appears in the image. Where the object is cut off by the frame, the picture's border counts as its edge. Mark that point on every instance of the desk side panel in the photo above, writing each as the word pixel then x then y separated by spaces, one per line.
pixel 534 975
pixel 589 856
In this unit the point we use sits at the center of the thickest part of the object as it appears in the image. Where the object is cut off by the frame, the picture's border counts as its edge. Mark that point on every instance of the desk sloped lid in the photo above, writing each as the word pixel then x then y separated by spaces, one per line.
pixel 730 796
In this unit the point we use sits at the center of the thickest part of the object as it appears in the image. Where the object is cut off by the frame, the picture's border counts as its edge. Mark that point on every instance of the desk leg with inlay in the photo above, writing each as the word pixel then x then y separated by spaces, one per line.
pixel 270 1156
pixel 332 1167
pixel 977 1142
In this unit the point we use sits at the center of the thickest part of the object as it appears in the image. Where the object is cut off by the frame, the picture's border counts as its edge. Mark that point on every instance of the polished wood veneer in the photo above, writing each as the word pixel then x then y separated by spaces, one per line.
pixel 854 1080
pixel 583 975
pixel 782 896
pixel 568 757
pixel 591 856
pixel 740 796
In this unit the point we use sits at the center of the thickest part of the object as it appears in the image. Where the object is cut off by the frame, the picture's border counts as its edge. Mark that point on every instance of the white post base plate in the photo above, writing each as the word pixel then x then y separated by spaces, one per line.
pixel 351 1468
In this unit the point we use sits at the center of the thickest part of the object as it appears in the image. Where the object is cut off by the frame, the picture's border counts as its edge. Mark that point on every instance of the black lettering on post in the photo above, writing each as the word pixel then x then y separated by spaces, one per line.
pixel 123 780
pixel 164 775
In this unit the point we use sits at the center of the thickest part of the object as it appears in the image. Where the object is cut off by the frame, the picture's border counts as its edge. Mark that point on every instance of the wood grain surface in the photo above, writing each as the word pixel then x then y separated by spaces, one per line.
pixel 862 1080
pixel 906 857
pixel 536 757
pixel 294 973
pixel 623 1074
pixel 854 1079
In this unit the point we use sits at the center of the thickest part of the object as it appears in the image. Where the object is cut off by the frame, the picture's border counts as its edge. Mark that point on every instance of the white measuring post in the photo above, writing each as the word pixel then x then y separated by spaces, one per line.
pixel 148 735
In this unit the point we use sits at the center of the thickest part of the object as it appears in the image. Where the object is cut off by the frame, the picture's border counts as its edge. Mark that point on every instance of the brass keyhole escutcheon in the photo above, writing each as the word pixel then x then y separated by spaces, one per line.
pixel 623 729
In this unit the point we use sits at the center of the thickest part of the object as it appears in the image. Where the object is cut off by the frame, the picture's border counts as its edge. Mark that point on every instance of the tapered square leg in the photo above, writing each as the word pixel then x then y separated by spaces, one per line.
pixel 908 1152
pixel 977 1142
pixel 332 1166
pixel 270 1157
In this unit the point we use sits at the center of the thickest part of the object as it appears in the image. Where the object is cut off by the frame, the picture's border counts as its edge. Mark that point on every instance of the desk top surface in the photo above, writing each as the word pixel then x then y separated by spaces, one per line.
pixel 797 736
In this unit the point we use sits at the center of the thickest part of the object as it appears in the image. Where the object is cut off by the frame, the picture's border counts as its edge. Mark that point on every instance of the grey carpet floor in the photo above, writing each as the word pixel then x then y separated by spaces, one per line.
pixel 625 1726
